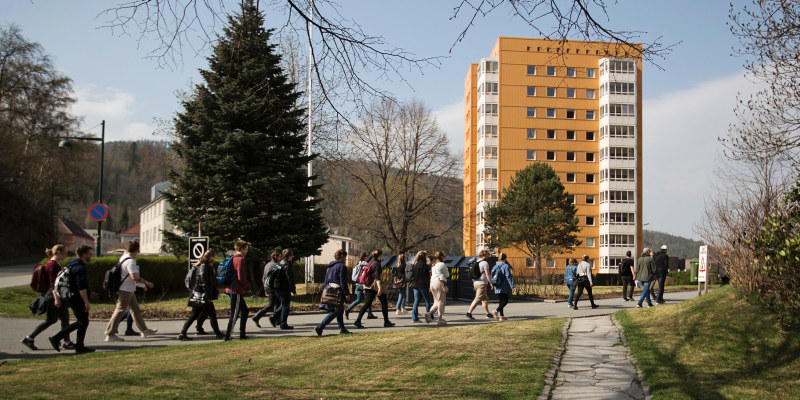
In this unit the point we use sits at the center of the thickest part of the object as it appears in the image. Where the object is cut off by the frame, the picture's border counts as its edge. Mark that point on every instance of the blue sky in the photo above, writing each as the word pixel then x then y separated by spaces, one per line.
pixel 686 106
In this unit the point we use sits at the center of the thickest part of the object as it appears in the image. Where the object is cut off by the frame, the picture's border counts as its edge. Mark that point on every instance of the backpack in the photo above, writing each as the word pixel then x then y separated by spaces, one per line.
pixel 474 269
pixel 188 279
pixel 113 278
pixel 409 272
pixel 356 272
pixel 366 277
pixel 273 277
pixel 496 275
pixel 40 282
pixel 63 289
pixel 225 271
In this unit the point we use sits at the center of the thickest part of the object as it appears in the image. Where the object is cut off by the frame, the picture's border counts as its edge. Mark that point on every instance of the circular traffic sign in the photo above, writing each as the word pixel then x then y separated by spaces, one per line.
pixel 198 250
pixel 98 212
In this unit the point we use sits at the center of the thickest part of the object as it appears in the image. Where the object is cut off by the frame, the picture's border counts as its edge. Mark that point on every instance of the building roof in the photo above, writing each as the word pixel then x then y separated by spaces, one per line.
pixel 132 231
pixel 74 228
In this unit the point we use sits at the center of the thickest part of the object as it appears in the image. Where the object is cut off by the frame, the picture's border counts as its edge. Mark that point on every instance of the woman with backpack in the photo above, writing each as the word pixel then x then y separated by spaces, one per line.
pixel 420 283
pixel 359 288
pixel 335 280
pixel 503 281
pixel 55 309
pixel 570 275
pixel 399 283
pixel 284 289
pixel 370 277
pixel 439 275
pixel 203 286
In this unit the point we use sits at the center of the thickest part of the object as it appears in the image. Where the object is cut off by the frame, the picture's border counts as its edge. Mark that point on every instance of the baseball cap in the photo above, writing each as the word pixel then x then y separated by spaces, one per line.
pixel 663 247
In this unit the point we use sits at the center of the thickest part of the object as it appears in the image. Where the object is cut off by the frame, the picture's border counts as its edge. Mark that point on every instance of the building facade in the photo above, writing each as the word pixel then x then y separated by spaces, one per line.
pixel 335 242
pixel 153 221
pixel 576 106
pixel 71 235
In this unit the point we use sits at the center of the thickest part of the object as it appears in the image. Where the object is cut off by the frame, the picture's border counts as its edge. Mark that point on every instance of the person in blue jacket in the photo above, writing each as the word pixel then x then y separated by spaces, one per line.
pixel 570 275
pixel 503 282
pixel 335 276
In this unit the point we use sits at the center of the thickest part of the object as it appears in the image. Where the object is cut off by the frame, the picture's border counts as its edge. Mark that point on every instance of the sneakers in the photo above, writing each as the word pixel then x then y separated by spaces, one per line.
pixel 286 327
pixel 256 321
pixel 182 337
pixel 388 324
pixel 28 342
pixel 318 330
pixel 68 346
pixel 83 350
pixel 200 331
pixel 358 325
pixel 569 305
pixel 494 315
pixel 575 308
pixel 372 316
pixel 273 321
pixel 417 321
pixel 114 338
pixel 441 322
pixel 638 306
pixel 347 314
pixel 469 316
pixel 397 312
pixel 131 333
pixel 55 343
pixel 594 306
pixel 428 318
pixel 148 332
pixel 489 316
pixel 344 332
pixel 244 337
pixel 220 335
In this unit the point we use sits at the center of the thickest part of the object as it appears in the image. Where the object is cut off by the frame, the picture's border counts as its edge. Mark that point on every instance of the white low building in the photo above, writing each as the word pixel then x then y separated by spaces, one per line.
pixel 336 242
pixel 153 221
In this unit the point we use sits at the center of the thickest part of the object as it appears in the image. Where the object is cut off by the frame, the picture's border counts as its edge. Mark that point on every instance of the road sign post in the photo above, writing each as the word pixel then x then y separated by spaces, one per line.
pixel 702 272
pixel 197 247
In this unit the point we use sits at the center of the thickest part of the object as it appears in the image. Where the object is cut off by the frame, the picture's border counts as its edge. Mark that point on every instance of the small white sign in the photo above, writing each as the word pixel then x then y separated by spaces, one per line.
pixel 197 247
pixel 703 264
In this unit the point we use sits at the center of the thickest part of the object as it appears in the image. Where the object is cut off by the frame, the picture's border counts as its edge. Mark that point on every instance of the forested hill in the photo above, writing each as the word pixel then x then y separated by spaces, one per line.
pixel 680 247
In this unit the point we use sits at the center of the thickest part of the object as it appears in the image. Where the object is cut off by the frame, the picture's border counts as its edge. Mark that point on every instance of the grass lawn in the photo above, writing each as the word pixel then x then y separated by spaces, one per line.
pixel 717 346
pixel 498 361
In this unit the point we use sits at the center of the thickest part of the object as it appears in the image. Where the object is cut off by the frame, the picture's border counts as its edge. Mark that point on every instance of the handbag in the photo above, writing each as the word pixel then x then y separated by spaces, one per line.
pixel 398 282
pixel 332 296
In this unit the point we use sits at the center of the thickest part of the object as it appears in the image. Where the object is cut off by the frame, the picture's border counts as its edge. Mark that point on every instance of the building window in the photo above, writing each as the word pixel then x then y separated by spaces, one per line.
pixel 590 136
pixel 570 114
pixel 589 178
pixel 531 133
pixel 571 198
pixel 491 87
pixel 622 66
pixel 589 114
pixel 531 112
pixel 617 196
pixel 570 135
pixel 589 241
pixel 570 177
pixel 551 156
pixel 531 90
pixel 488 174
pixel 621 131
pixel 570 71
pixel 589 157
pixel 491 67
pixel 616 240
pixel 570 156
pixel 620 153
pixel 531 155
pixel 551 113
pixel 589 199
pixel 590 72
pixel 487 152
pixel 531 70
pixel 487 131
pixel 551 92
pixel 570 92
pixel 487 109
pixel 617 218
pixel 551 134
pixel 551 71
pixel 589 93
pixel 551 263
pixel 621 88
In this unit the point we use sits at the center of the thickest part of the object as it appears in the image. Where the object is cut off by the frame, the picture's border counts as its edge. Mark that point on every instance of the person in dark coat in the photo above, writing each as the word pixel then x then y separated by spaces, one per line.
pixel 275 258
pixel 335 277
pixel 662 268
pixel 78 301
pixel 204 292
pixel 284 289
pixel 420 284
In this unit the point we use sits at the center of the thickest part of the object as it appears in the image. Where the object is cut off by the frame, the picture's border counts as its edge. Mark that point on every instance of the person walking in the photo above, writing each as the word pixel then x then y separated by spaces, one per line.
pixel 439 275
pixel 584 281
pixel 272 302
pixel 570 278
pixel 480 286
pixel 399 283
pixel 203 293
pixel 335 278
pixel 645 272
pixel 626 273
pixel 78 301
pixel 503 280
pixel 661 259
pixel 373 288
pixel 126 296
pixel 420 284
pixel 55 309
pixel 284 289
pixel 237 289
pixel 358 288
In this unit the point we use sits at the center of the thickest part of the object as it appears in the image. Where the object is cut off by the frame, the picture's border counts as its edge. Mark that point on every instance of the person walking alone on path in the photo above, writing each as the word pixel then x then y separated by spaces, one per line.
pixel 204 292
pixel 55 309
pixel 284 289
pixel 272 302
pixel 626 273
pixel 570 278
pixel 584 281
pixel 238 288
pixel 399 283
pixel 661 259
pixel 335 277
pixel 420 283
pixel 126 296
pixel 480 286
pixel 503 280
pixel 645 271
pixel 439 275
pixel 78 301
pixel 358 288
pixel 373 289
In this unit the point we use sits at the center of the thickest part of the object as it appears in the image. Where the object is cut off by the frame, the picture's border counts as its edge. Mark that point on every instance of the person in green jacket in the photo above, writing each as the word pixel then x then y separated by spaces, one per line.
pixel 645 271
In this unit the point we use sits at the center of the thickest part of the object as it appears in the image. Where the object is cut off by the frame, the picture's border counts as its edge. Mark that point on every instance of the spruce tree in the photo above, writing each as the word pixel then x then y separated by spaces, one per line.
pixel 242 143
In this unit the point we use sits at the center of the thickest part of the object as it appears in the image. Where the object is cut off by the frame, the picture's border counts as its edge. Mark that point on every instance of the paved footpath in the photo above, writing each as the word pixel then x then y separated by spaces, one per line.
pixel 596 364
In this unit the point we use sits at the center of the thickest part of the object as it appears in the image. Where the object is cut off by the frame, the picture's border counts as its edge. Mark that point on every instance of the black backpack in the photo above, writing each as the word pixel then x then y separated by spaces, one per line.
pixel 113 279
pixel 475 269
pixel 273 279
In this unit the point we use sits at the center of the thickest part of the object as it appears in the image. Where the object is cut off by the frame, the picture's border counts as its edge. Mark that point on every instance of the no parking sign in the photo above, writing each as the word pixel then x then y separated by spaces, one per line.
pixel 197 247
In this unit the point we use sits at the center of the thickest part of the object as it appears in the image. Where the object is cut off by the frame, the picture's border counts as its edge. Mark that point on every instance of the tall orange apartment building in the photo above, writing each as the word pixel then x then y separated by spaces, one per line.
pixel 576 106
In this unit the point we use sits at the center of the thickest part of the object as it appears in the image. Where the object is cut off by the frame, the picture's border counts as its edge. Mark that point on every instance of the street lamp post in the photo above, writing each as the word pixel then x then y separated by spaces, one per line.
pixel 65 144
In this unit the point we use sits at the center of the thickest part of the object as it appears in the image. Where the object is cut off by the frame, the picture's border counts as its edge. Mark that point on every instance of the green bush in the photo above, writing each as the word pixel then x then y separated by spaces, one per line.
pixel 167 273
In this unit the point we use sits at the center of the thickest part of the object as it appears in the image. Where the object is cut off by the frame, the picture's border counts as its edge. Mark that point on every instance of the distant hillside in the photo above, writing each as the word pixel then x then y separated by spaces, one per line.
pixel 680 247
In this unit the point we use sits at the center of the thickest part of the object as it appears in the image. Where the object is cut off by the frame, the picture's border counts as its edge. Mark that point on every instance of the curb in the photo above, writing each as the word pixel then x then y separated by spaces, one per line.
pixel 550 376
pixel 639 373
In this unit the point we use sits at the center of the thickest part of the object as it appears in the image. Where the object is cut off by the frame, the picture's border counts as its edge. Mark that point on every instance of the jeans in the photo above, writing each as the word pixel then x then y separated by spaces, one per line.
pixel 571 293
pixel 503 299
pixel 369 297
pixel 270 307
pixel 238 310
pixel 81 323
pixel 627 287
pixel 202 310
pixel 359 298
pixel 281 314
pixel 53 314
pixel 338 314
pixel 419 292
pixel 662 279
pixel 401 297
pixel 645 294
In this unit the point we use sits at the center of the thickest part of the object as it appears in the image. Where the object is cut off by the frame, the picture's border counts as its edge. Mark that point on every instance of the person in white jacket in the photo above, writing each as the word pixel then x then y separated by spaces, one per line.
pixel 439 275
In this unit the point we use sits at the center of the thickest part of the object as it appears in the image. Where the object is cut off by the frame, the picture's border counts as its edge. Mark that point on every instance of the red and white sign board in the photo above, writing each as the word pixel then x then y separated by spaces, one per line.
pixel 703 264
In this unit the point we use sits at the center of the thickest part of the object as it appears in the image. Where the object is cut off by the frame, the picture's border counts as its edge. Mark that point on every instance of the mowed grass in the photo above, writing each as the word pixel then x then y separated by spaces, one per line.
pixel 503 361
pixel 717 346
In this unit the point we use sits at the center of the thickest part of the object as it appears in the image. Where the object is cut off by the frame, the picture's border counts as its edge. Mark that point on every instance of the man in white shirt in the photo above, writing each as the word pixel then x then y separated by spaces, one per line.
pixel 480 285
pixel 126 296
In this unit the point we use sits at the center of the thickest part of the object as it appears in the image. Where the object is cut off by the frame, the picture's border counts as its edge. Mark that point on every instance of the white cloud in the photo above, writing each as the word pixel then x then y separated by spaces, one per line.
pixel 114 106
pixel 451 120
pixel 680 150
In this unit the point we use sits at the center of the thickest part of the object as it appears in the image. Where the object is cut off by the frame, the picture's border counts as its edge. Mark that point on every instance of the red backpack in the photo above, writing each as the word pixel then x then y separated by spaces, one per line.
pixel 40 281
pixel 367 274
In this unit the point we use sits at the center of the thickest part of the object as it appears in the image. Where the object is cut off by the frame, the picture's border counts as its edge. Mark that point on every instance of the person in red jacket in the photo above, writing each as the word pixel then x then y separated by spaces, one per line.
pixel 237 290
pixel 55 310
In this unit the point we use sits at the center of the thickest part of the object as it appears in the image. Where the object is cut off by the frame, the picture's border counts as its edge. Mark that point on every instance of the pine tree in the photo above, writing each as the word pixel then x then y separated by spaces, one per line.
pixel 242 144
